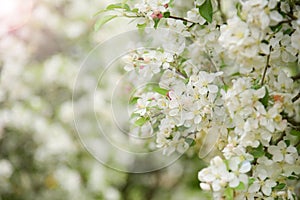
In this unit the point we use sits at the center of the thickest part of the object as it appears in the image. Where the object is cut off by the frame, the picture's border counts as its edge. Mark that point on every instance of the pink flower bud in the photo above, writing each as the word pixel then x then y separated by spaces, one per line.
pixel 156 15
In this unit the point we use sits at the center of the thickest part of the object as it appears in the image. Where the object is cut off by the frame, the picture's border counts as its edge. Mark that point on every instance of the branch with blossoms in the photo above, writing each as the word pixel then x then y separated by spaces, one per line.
pixel 239 94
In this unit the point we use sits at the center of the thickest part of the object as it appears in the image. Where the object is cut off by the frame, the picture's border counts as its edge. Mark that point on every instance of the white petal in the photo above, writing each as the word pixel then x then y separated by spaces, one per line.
pixel 266 190
pixel 254 187
pixel 245 167
pixel 234 183
pixel 205 186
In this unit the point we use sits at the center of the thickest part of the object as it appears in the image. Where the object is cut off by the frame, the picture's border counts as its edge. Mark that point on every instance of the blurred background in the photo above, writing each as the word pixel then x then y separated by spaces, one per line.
pixel 42 46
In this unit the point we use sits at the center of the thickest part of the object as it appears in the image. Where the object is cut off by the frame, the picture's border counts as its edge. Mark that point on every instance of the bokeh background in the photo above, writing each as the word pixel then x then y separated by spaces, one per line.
pixel 42 46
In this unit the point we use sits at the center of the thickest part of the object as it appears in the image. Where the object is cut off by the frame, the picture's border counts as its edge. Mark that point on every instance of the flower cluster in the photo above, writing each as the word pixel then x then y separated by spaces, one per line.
pixel 233 88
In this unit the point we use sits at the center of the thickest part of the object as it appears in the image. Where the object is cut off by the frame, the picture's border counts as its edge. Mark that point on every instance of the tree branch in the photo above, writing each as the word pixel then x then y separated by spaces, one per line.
pixel 295 78
pixel 295 98
pixel 182 19
pixel 266 67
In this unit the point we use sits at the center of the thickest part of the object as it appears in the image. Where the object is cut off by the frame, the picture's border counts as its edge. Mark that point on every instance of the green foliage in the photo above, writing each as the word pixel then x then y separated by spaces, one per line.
pixel 251 181
pixel 156 21
pixel 256 152
pixel 141 121
pixel 206 10
pixel 166 14
pixel 295 132
pixel 133 100
pixel 190 141
pixel 103 20
pixel 118 6
pixel 241 186
pixel 160 90
pixel 141 26
pixel 228 193
pixel 280 186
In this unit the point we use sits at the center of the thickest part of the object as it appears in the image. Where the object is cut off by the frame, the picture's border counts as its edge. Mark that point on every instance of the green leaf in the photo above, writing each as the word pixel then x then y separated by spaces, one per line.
pixel 167 14
pixel 142 26
pixel 256 85
pixel 228 193
pixel 276 28
pixel 206 10
pixel 288 31
pixel 225 88
pixel 118 5
pixel 141 121
pixel 133 115
pixel 265 99
pixel 238 7
pixel 241 186
pixel 133 100
pixel 160 90
pixel 257 152
pixel 190 141
pixel 103 20
pixel 135 10
pixel 280 186
pixel 251 181
pixel 156 21
pixel 295 132
pixel 287 142
pixel 293 177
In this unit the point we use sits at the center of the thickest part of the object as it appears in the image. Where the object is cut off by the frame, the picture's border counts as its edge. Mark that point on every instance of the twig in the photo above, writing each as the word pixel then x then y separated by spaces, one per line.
pixel 297 77
pixel 266 67
pixel 293 123
pixel 295 98
pixel 215 66
pixel 182 19
pixel 178 72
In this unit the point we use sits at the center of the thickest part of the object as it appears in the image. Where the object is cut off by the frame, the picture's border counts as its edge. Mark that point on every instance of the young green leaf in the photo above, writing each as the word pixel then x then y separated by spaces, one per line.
pixel 206 10
pixel 166 14
pixel 241 186
pixel 118 5
pixel 190 141
pixel 156 21
pixel 141 121
pixel 251 181
pixel 103 20
pixel 133 100
pixel 295 132
pixel 257 152
pixel 141 26
pixel 228 193
pixel 160 90
pixel 280 186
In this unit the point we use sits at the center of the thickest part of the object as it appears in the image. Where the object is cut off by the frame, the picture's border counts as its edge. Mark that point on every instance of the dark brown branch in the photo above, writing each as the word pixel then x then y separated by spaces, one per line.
pixel 293 123
pixel 295 98
pixel 178 72
pixel 295 78
pixel 266 67
pixel 182 19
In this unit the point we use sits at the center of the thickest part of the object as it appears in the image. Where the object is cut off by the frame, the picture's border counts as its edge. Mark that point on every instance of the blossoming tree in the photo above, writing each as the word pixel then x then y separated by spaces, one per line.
pixel 231 88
